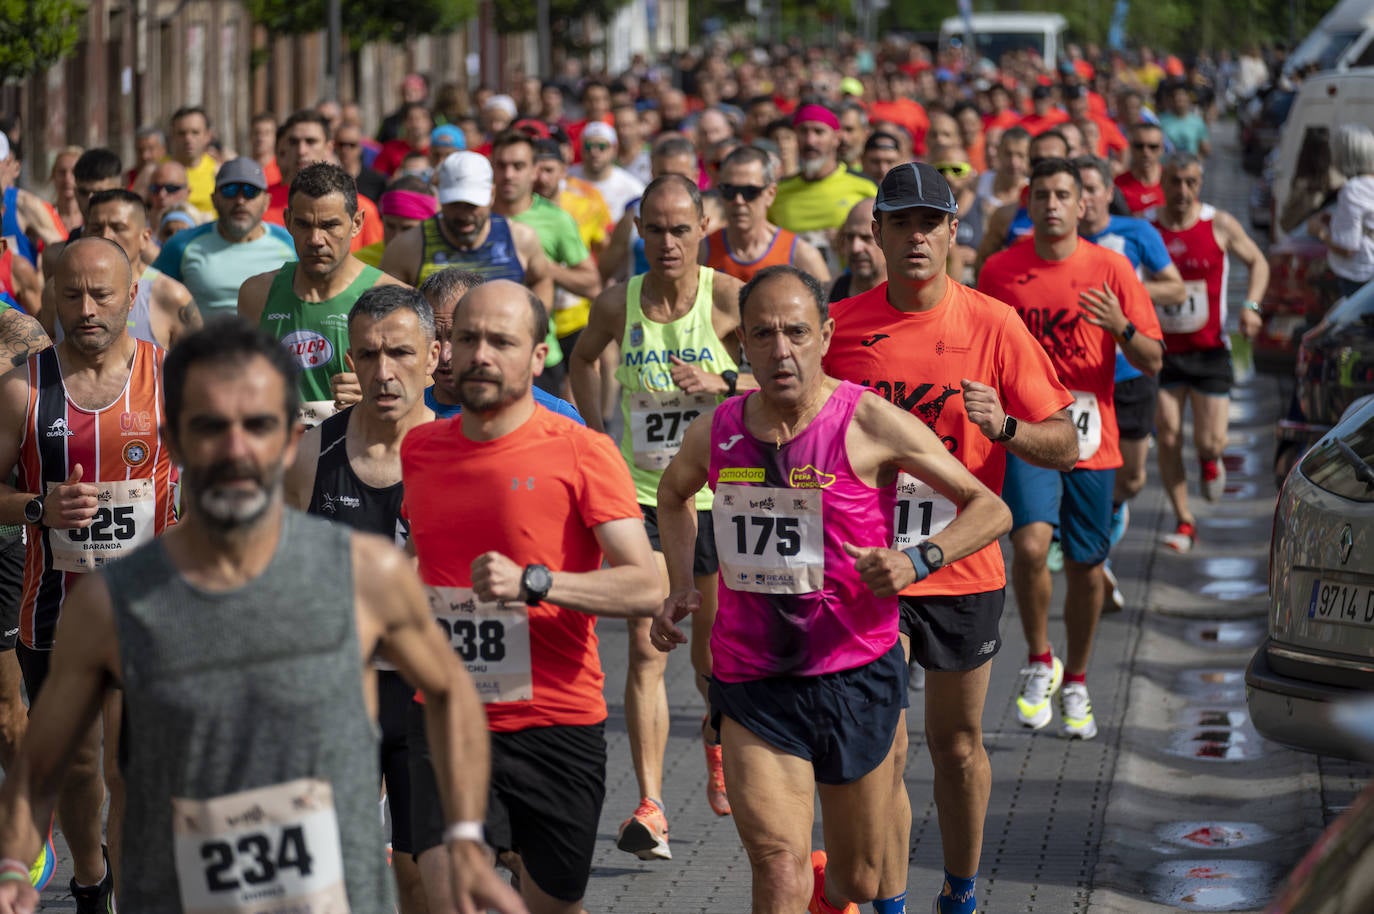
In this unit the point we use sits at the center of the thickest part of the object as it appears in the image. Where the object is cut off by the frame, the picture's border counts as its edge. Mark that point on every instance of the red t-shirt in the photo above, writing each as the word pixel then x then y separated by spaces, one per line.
pixel 1139 197
pixel 1008 118
pixel 1037 124
pixel 534 496
pixel 279 193
pixel 917 360
pixel 906 112
pixel 1045 294
pixel 393 153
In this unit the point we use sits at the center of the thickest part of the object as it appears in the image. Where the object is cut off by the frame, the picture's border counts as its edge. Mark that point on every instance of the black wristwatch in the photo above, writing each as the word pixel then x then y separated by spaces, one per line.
pixel 536 582
pixel 932 555
pixel 731 378
pixel 1128 332
pixel 33 510
pixel 1008 429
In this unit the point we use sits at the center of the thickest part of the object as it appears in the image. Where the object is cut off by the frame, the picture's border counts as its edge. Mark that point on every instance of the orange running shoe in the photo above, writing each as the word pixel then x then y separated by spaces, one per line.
pixel 818 903
pixel 645 834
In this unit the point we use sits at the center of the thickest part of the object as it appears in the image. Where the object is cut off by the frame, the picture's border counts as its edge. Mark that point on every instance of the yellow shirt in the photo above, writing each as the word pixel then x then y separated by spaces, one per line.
pixel 201 180
pixel 808 206
pixel 372 254
pixel 581 200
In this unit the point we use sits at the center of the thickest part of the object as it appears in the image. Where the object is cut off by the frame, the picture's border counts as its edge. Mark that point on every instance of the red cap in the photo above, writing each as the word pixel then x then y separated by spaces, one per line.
pixel 533 127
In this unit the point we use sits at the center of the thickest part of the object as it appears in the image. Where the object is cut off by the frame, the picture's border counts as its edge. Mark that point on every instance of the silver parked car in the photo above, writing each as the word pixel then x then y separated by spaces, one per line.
pixel 1320 647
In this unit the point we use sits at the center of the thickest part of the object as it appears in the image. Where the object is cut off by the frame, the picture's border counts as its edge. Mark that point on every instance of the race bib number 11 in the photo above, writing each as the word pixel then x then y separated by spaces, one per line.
pixel 272 850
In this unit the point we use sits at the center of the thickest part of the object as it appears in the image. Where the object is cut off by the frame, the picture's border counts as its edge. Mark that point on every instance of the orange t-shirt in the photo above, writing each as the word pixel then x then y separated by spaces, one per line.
pixel 534 496
pixel 1045 294
pixel 279 194
pixel 906 112
pixel 916 360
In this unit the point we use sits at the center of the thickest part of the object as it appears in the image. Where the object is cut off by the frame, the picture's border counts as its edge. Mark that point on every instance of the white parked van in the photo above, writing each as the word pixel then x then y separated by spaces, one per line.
pixel 995 34
pixel 1303 175
pixel 1343 40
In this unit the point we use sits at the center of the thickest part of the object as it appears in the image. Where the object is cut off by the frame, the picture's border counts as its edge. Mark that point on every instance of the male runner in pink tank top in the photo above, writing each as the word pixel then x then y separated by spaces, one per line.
pixel 808 679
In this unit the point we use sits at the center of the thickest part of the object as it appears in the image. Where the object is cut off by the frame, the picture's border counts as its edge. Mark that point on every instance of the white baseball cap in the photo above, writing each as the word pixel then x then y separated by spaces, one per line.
pixel 4 146
pixel 465 177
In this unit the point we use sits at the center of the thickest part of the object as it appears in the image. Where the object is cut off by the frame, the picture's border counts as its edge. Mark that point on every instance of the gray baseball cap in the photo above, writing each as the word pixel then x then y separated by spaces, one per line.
pixel 242 170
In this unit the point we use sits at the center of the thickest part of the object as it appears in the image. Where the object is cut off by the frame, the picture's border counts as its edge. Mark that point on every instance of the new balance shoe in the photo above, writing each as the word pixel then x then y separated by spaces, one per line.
pixel 1121 519
pixel 1040 681
pixel 1114 601
pixel 1213 479
pixel 40 874
pixel 818 904
pixel 95 899
pixel 716 796
pixel 1183 539
pixel 645 834
pixel 1076 711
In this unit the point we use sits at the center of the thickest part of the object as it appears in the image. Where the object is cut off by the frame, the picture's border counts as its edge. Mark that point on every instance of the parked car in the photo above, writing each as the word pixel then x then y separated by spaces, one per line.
pixel 1334 368
pixel 1320 644
pixel 1333 877
pixel 1301 290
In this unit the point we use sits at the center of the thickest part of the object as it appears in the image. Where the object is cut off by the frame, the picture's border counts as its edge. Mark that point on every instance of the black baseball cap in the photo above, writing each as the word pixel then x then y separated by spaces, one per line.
pixel 1042 92
pixel 914 184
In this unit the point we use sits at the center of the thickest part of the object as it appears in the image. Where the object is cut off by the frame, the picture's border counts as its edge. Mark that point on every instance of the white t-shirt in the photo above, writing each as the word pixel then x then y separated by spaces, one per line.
pixel 1352 228
pixel 618 188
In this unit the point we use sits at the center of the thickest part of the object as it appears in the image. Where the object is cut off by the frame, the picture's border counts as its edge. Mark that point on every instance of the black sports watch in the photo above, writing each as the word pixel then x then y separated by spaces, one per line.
pixel 731 378
pixel 1008 429
pixel 536 582
pixel 33 510
pixel 1128 332
pixel 932 555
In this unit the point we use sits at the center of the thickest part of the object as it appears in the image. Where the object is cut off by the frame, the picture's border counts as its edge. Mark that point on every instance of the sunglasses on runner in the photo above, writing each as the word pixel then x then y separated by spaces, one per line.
pixel 597 147
pixel 750 192
pixel 954 169
pixel 236 189
pixel 166 188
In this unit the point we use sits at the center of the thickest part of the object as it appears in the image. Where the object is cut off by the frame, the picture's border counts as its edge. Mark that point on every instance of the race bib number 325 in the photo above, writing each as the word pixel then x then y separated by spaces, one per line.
pixel 271 850
pixel 123 521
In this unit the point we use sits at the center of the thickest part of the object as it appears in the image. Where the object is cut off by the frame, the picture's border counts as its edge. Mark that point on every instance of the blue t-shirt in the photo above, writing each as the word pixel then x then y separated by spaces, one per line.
pixel 213 268
pixel 1140 243
pixel 543 398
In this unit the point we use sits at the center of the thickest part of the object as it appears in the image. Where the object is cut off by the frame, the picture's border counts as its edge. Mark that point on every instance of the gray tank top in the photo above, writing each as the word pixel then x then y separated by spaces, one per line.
pixel 229 696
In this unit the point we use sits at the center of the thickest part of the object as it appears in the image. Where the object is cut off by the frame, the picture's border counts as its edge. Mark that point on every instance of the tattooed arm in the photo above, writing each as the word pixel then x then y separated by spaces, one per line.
pixel 20 337
pixel 175 314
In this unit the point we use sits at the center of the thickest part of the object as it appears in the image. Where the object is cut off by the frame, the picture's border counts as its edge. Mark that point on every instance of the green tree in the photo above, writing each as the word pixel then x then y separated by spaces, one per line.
pixel 521 15
pixel 35 34
pixel 363 20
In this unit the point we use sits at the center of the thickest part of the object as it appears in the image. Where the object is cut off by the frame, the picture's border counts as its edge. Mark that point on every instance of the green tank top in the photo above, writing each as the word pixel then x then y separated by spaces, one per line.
pixel 655 410
pixel 316 333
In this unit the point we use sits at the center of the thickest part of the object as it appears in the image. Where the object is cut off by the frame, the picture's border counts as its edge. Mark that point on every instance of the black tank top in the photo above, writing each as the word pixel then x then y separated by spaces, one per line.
pixel 339 495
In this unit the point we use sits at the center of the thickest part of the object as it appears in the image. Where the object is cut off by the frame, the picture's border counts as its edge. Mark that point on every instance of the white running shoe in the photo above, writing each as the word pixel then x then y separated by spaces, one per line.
pixel 1040 682
pixel 1076 709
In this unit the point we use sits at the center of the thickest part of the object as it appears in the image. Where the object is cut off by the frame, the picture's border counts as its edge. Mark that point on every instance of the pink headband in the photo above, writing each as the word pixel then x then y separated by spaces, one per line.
pixel 408 204
pixel 818 113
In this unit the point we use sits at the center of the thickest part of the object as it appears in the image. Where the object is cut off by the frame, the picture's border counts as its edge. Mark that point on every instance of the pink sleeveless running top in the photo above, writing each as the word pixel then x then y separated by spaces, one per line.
pixel 791 603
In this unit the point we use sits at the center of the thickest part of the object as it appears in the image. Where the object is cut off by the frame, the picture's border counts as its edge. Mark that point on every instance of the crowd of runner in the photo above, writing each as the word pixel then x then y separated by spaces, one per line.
pixel 589 347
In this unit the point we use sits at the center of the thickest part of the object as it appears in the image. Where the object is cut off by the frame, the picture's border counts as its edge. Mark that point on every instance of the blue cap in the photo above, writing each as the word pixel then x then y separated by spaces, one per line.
pixel 448 135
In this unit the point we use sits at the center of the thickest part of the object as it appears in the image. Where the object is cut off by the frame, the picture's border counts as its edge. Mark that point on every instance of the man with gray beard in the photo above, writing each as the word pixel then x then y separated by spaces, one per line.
pixel 814 202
